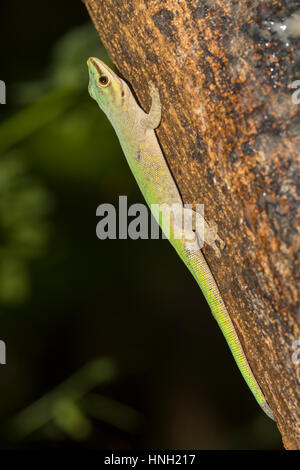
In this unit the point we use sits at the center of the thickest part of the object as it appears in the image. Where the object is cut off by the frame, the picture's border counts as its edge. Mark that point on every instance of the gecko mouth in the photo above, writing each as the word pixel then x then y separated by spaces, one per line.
pixel 95 63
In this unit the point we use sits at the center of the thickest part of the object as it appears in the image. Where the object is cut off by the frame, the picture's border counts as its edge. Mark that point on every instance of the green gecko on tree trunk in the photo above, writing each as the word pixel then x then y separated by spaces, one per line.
pixel 135 130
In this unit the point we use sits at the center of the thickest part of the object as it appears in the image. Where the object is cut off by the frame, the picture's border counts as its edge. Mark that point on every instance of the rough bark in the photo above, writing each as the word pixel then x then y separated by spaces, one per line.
pixel 230 133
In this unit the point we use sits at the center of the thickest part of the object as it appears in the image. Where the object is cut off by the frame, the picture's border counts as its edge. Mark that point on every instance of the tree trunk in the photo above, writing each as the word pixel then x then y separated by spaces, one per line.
pixel 230 133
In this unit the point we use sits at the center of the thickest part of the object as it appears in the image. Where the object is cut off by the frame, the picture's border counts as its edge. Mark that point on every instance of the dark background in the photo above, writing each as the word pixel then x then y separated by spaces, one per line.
pixel 110 344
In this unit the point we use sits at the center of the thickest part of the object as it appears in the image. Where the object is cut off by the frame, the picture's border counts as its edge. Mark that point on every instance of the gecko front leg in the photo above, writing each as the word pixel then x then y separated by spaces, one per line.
pixel 152 120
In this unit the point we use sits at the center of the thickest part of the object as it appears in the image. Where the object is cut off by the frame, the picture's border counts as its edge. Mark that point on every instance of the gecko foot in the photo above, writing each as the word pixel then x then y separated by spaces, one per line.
pixel 152 120
pixel 152 89
pixel 211 237
pixel 206 232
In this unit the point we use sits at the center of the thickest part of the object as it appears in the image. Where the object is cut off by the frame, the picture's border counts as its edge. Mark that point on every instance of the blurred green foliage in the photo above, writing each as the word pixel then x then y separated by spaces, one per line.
pixel 49 139
pixel 24 206
pixel 62 405
pixel 55 126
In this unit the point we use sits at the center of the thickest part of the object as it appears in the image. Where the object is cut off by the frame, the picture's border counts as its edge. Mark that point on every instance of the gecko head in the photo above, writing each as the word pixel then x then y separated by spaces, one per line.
pixel 109 90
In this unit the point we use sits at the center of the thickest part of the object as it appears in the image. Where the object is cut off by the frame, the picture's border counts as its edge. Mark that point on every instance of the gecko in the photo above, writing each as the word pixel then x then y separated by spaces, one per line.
pixel 136 133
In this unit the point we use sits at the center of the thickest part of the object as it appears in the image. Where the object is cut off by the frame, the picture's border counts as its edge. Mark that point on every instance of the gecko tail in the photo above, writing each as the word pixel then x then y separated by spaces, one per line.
pixel 195 261
pixel 265 407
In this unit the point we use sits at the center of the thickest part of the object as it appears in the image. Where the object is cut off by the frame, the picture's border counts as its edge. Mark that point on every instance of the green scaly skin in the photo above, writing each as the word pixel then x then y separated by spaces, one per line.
pixel 135 130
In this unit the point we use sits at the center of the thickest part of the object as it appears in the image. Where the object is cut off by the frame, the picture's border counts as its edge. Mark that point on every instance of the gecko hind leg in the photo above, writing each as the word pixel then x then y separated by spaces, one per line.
pixel 210 232
pixel 152 120
pixel 211 237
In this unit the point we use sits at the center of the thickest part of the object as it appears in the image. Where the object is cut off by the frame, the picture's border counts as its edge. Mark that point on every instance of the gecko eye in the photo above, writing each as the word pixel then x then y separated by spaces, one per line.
pixel 103 80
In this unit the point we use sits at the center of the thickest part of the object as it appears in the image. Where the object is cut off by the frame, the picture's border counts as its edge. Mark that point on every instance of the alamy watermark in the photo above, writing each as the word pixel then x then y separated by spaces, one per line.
pixel 2 92
pixel 2 352
pixel 177 221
